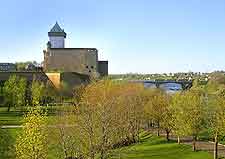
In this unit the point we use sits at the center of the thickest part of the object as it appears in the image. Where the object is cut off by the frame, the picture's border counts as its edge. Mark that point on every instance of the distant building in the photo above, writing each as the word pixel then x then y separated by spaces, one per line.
pixel 79 60
pixel 7 67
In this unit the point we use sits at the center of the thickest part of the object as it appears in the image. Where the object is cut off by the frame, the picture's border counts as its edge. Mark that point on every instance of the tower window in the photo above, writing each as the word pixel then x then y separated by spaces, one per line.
pixel 87 66
pixel 92 67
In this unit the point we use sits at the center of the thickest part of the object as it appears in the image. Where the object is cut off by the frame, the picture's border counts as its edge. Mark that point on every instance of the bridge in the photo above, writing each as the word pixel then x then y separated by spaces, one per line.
pixel 173 85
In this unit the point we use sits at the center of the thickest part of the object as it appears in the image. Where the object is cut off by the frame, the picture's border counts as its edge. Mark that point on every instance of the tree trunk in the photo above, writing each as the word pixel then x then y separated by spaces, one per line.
pixel 216 146
pixel 167 135
pixel 92 155
pixel 8 107
pixel 149 124
pixel 194 143
pixel 102 154
pixel 178 139
pixel 158 130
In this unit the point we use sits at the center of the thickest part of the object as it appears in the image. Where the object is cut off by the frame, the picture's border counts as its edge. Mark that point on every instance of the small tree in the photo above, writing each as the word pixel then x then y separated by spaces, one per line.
pixel 108 115
pixel 9 91
pixel 217 120
pixel 14 91
pixel 189 114
pixel 37 92
pixel 157 107
pixel 32 141
pixel 177 116
pixel 167 122
pixel 66 135
pixel 21 92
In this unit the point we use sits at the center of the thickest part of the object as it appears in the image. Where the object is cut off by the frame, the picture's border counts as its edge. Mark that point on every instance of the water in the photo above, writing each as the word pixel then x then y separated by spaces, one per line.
pixel 168 87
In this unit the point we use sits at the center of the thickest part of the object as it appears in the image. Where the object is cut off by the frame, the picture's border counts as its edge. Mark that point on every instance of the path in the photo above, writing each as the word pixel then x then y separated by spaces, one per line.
pixel 203 145
pixel 200 145
pixel 10 126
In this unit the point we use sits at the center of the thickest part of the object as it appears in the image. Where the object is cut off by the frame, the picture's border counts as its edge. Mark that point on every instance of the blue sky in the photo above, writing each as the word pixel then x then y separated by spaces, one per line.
pixel 138 36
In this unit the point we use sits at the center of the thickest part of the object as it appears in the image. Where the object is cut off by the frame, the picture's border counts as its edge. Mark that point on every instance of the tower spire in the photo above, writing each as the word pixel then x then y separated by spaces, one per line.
pixel 57 36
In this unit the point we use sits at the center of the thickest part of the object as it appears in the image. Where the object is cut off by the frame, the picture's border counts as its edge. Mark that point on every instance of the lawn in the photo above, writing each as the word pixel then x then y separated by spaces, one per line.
pixel 153 147
pixel 150 147
pixel 7 149
pixel 10 118
pixel 15 117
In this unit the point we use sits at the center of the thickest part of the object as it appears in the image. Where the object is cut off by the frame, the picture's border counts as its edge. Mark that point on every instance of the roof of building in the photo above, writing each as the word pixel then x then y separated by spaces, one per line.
pixel 57 31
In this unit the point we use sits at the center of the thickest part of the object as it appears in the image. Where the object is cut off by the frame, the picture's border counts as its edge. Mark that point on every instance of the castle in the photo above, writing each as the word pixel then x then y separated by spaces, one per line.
pixel 73 66
pixel 57 58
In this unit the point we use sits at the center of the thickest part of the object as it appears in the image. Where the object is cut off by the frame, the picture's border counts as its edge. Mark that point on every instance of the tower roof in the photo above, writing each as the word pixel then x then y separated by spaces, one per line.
pixel 57 31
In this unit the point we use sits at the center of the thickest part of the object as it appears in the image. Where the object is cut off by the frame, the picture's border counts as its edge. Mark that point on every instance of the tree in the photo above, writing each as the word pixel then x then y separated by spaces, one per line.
pixel 157 107
pixel 37 92
pixel 216 119
pixel 9 91
pixel 65 135
pixel 14 91
pixel 31 143
pixel 167 122
pixel 21 66
pixel 21 92
pixel 177 116
pixel 49 93
pixel 216 108
pixel 189 114
pixel 97 116
pixel 107 115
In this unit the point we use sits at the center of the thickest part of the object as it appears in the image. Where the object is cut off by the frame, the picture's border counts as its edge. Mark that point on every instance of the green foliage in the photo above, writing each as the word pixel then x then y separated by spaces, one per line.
pixel 32 141
pixel 108 114
pixel 189 113
pixel 6 147
pixel 21 66
pixel 37 92
pixel 157 109
pixel 21 91
pixel 14 91
pixel 9 90
pixel 216 115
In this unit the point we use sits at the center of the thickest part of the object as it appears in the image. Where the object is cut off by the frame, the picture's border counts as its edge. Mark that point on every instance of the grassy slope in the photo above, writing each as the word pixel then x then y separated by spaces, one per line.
pixel 152 147
pixel 10 118
pixel 14 117
pixel 8 147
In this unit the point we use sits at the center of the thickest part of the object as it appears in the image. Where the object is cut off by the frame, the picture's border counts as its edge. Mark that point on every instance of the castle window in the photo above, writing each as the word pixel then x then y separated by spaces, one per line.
pixel 92 67
pixel 90 71
pixel 87 66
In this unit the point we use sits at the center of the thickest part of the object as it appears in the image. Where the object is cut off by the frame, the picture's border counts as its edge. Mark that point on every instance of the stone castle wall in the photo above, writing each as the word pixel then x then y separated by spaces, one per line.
pixel 80 60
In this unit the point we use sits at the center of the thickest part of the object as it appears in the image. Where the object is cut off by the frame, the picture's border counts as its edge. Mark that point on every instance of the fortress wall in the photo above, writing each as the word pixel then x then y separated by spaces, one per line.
pixel 103 68
pixel 72 60
pixel 29 76
pixel 55 78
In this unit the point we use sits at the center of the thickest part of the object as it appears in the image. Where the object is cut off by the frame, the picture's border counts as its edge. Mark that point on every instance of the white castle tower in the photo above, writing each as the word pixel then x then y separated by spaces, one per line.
pixel 56 37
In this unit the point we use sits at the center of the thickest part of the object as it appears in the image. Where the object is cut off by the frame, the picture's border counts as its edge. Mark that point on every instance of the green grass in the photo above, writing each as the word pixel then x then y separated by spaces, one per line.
pixel 152 147
pixel 15 117
pixel 7 149
pixel 10 118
